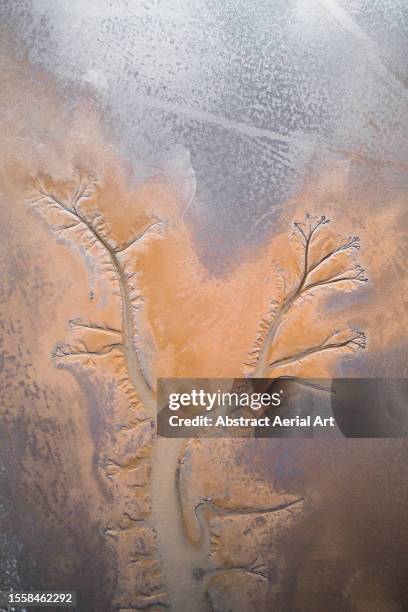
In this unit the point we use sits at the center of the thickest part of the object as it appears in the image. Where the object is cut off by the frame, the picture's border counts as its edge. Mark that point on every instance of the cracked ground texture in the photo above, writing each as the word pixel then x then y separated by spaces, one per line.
pixel 174 207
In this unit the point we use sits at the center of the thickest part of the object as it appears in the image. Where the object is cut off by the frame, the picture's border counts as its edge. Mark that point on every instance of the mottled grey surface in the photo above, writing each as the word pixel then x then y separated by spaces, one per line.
pixel 249 89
